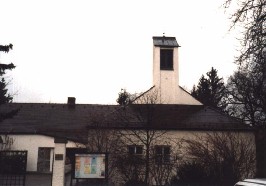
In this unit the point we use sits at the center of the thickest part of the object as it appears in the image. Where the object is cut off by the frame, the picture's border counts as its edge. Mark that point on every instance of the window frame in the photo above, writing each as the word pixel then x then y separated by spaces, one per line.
pixel 135 150
pixel 44 159
pixel 162 154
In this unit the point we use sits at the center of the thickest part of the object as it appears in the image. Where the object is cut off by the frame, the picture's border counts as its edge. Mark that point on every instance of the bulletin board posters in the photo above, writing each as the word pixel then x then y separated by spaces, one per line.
pixel 90 166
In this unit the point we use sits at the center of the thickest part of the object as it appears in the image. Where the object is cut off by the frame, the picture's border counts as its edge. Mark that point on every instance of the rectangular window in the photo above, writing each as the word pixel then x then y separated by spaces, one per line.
pixel 135 149
pixel 162 154
pixel 166 59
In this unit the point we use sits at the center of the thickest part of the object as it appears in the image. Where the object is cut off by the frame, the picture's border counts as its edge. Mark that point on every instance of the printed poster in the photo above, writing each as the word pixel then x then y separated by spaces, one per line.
pixel 90 165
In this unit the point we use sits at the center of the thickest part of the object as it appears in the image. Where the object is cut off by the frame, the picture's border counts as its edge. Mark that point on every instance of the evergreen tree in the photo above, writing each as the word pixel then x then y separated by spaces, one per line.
pixel 4 96
pixel 123 98
pixel 210 90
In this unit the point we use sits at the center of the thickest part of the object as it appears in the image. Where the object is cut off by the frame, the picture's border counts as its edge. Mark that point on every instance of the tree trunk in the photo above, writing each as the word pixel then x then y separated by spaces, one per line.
pixel 260 137
pixel 147 162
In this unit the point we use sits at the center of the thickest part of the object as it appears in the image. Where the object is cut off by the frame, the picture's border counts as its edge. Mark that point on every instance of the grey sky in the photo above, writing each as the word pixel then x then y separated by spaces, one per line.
pixel 92 49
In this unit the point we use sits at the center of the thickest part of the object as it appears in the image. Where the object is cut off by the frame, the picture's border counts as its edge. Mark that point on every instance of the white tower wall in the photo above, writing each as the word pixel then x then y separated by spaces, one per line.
pixel 167 81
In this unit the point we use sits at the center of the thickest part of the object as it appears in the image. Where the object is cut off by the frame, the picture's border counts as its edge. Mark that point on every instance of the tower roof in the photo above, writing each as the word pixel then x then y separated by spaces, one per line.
pixel 163 41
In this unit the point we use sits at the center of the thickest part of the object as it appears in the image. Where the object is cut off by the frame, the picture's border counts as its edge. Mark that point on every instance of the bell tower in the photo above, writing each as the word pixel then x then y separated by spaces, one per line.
pixel 166 68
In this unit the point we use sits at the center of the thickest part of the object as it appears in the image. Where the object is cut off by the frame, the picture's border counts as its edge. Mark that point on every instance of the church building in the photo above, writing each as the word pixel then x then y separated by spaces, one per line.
pixel 39 127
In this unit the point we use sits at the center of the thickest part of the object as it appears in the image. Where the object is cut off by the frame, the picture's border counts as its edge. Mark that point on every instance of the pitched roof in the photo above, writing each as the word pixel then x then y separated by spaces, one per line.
pixel 177 117
pixel 52 119
pixel 163 41
pixel 59 120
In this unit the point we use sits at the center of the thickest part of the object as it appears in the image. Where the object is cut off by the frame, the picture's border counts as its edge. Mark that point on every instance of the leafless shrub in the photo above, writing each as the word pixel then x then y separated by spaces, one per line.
pixel 225 157
pixel 7 142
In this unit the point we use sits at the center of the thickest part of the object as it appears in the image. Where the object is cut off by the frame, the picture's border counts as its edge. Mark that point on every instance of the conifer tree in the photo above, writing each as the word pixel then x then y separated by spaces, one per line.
pixel 210 90
pixel 4 96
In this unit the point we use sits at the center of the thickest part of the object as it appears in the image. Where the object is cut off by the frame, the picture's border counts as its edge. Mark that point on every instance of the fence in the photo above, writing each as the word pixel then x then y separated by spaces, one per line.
pixel 13 168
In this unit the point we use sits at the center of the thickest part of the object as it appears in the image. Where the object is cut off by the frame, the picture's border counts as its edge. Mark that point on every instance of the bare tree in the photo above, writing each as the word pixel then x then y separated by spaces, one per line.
pixel 148 156
pixel 222 158
pixel 104 140
pixel 244 100
pixel 138 121
pixel 250 16
pixel 6 142
pixel 163 171
pixel 247 87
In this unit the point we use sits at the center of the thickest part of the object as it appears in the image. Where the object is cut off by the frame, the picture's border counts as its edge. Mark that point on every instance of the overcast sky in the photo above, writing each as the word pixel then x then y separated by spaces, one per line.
pixel 92 49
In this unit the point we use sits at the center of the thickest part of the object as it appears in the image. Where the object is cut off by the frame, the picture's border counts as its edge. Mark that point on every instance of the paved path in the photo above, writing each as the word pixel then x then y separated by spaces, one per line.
pixel 36 179
pixel 44 180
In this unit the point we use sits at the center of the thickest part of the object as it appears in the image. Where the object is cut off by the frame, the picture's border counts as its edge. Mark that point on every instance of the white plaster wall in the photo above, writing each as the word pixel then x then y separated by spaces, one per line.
pixel 192 134
pixel 182 97
pixel 166 80
pixel 170 136
pixel 31 143
pixel 59 165
pixel 159 75
pixel 175 138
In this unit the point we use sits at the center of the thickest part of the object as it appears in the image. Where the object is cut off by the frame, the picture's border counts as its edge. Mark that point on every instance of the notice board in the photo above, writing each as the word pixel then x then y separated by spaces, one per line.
pixel 90 166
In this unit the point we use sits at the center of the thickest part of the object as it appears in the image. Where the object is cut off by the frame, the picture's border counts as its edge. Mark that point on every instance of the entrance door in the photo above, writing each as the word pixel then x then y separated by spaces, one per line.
pixel 44 159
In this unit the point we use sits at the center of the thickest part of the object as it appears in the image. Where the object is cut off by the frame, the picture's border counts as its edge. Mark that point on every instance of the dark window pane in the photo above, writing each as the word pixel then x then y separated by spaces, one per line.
pixel 43 164
pixel 166 150
pixel 162 154
pixel 158 154
pixel 158 159
pixel 131 149
pixel 166 59
pixel 139 150
pixel 158 150
pixel 167 158
pixel 166 154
